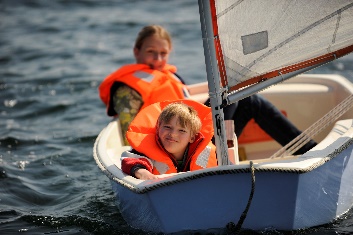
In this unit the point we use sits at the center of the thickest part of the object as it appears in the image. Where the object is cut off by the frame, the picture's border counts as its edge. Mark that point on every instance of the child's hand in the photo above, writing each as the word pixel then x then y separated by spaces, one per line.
pixel 144 174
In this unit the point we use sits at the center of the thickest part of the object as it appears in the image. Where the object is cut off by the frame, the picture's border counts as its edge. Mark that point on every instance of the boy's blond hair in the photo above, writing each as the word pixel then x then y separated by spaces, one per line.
pixel 150 30
pixel 187 116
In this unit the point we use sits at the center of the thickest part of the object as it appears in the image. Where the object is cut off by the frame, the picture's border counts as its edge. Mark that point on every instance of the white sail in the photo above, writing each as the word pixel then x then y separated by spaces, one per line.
pixel 251 44
pixel 258 37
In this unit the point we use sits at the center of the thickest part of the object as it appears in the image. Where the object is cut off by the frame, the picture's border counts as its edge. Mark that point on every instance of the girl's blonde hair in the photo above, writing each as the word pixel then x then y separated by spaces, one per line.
pixel 150 30
pixel 187 116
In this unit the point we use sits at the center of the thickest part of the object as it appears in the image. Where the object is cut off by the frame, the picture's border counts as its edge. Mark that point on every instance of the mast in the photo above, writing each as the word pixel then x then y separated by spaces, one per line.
pixel 213 77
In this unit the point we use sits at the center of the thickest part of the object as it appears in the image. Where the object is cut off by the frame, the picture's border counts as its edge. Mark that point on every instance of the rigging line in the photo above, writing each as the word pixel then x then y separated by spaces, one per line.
pixel 325 121
pixel 316 128
pixel 235 229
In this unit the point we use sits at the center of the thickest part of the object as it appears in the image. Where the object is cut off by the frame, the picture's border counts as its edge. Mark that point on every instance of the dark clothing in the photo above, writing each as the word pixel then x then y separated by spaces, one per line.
pixel 267 116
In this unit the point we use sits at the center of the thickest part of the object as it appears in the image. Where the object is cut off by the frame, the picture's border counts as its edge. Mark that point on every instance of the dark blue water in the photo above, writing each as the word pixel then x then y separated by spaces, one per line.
pixel 53 56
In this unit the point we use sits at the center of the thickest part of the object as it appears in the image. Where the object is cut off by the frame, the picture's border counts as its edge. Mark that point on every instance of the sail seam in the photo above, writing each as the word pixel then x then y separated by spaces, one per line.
pixel 336 30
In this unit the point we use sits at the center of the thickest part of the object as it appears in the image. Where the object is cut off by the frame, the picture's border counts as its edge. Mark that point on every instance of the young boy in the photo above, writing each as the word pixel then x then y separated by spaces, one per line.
pixel 170 137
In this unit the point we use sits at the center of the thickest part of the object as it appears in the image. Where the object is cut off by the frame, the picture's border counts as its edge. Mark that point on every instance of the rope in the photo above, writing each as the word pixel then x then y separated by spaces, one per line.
pixel 314 129
pixel 230 226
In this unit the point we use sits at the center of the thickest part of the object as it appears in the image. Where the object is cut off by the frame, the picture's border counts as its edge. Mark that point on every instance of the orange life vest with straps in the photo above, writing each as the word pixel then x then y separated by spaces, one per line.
pixel 153 85
pixel 142 137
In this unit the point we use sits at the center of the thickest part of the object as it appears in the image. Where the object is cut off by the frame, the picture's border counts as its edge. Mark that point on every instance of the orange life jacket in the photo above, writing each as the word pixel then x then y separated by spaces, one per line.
pixel 153 85
pixel 142 137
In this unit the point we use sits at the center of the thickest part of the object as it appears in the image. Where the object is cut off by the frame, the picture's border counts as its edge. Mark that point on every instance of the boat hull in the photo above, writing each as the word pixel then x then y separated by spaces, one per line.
pixel 294 192
pixel 283 199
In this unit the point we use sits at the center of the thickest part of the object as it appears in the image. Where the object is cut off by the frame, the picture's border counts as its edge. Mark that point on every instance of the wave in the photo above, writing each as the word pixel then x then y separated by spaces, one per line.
pixel 73 224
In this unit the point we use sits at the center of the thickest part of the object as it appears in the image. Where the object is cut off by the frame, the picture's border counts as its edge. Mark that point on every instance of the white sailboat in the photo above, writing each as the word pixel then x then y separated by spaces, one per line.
pixel 248 49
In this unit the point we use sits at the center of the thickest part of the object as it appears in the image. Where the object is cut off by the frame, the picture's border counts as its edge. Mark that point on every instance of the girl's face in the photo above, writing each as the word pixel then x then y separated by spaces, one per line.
pixel 154 52
pixel 175 138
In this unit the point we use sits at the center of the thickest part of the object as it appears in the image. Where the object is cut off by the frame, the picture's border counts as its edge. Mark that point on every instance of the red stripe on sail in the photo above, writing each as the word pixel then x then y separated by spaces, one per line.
pixel 308 63
pixel 217 43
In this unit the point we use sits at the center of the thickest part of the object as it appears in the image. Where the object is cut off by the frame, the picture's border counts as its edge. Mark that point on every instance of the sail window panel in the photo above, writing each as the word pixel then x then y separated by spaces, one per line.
pixel 254 42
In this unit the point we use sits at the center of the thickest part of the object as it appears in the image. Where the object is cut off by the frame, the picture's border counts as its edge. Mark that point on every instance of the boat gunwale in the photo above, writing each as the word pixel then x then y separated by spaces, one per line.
pixel 144 186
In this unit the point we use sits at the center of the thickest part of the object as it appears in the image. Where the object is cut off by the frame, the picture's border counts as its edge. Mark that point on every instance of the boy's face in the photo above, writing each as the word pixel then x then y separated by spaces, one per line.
pixel 175 138
pixel 153 52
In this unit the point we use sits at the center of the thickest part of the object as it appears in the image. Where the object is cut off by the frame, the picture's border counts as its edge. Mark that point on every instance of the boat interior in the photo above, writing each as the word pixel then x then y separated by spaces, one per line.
pixel 303 99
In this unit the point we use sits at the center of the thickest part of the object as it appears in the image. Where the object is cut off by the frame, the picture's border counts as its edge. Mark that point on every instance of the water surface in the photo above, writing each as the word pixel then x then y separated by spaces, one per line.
pixel 53 56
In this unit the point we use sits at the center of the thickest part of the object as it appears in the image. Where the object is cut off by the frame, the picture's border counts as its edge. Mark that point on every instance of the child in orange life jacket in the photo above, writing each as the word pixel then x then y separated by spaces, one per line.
pixel 133 87
pixel 170 137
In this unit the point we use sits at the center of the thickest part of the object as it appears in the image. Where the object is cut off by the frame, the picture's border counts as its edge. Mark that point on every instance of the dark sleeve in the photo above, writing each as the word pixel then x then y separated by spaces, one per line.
pixel 131 165
pixel 113 88
pixel 135 168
